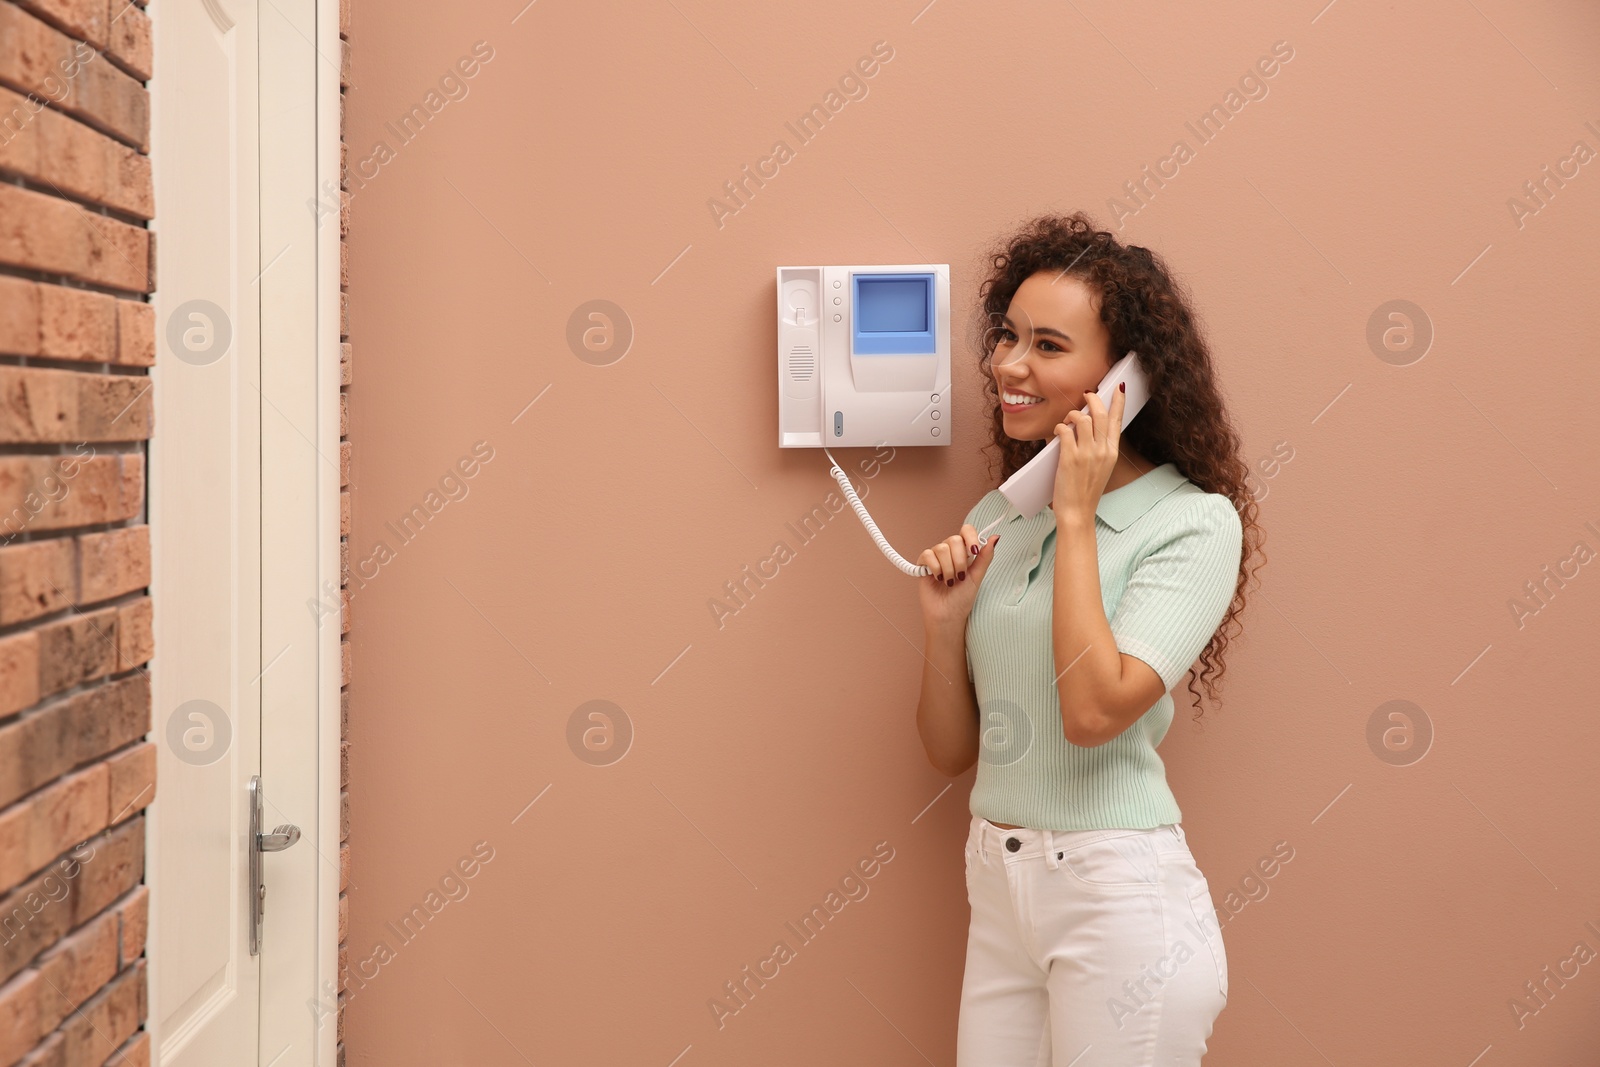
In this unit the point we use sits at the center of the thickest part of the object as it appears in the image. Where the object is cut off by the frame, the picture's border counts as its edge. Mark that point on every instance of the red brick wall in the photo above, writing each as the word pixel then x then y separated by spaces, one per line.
pixel 76 344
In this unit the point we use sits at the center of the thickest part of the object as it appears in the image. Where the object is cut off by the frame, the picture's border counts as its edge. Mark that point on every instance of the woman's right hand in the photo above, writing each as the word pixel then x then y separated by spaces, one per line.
pixel 947 594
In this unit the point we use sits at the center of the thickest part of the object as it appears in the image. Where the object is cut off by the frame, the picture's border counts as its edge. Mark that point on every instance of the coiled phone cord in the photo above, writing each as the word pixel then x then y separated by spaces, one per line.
pixel 913 569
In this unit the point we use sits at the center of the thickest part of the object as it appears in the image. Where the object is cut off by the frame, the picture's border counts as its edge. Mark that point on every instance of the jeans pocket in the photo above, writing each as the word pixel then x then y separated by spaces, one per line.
pixel 1123 862
pixel 1209 933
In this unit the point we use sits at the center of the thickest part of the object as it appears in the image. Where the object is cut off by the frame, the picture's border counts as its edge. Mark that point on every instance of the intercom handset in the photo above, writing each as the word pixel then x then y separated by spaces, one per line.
pixel 1032 487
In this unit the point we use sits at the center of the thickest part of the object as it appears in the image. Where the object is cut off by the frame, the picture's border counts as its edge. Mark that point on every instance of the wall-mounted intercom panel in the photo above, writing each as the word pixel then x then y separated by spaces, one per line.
pixel 864 355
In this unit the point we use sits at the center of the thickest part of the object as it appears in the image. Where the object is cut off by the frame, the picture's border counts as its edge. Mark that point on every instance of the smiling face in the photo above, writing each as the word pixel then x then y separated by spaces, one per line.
pixel 1053 346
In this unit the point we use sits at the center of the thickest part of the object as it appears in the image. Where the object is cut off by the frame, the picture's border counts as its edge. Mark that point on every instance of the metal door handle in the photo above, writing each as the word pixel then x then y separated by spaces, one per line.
pixel 280 839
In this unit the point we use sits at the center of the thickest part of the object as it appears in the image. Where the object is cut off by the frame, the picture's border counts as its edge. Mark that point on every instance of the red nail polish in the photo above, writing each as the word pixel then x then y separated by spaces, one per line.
pixel 1122 386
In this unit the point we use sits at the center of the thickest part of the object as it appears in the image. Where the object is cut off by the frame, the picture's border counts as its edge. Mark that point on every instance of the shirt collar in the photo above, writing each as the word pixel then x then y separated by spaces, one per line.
pixel 1122 506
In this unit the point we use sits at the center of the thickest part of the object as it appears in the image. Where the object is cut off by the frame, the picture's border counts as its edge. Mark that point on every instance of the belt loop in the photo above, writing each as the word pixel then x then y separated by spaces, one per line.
pixel 983 840
pixel 1050 849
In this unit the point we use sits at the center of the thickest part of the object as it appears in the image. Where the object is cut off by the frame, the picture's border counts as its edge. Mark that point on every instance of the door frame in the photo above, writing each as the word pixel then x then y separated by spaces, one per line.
pixel 327 498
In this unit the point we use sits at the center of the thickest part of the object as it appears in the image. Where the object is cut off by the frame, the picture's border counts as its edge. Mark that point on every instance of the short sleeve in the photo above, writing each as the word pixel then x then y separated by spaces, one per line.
pixel 1177 595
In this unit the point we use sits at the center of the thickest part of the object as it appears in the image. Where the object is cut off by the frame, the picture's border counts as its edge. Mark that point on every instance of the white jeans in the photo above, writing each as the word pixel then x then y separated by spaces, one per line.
pixel 1094 948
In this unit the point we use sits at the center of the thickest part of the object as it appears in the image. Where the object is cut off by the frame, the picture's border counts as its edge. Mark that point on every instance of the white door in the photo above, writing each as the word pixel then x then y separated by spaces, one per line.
pixel 244 483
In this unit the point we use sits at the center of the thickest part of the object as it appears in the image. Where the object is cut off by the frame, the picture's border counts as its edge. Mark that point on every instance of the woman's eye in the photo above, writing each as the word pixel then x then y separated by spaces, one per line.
pixel 1004 336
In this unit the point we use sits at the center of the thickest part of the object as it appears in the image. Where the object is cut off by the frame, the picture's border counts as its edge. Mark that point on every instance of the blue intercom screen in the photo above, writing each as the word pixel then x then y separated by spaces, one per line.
pixel 893 314
pixel 892 305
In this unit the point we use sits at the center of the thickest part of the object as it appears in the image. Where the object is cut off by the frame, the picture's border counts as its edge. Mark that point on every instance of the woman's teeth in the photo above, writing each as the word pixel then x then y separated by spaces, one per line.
pixel 1020 398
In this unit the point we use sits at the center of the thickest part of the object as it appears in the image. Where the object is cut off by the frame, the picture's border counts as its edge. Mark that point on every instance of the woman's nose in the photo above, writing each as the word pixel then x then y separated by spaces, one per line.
pixel 1016 357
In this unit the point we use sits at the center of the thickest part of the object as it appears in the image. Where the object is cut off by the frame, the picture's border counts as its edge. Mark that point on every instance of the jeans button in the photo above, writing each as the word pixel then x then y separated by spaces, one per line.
pixel 1012 844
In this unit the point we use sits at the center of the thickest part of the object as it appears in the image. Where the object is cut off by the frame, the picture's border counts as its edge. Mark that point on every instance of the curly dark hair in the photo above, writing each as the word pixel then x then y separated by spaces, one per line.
pixel 1146 309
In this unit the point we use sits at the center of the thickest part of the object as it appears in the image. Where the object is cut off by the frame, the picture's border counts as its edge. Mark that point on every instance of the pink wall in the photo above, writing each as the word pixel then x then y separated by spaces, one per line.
pixel 1408 502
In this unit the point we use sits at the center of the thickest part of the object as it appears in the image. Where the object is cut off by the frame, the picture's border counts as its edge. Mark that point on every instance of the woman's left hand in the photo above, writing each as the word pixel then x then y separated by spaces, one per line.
pixel 1089 447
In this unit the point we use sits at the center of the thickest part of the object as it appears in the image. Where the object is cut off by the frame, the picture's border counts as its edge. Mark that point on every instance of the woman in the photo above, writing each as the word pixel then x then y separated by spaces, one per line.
pixel 1093 939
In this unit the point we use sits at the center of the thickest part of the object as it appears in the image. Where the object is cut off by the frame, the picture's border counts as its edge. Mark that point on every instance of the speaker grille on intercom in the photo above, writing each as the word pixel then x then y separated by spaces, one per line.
pixel 802 363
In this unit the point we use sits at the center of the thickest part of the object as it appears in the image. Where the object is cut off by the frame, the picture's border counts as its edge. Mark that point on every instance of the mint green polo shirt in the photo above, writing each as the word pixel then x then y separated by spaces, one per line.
pixel 1169 559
